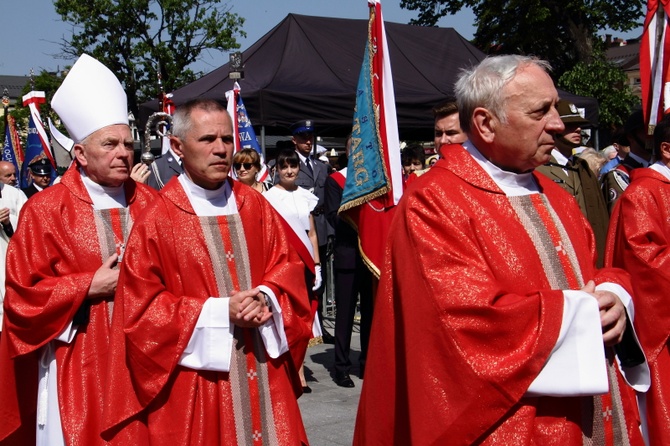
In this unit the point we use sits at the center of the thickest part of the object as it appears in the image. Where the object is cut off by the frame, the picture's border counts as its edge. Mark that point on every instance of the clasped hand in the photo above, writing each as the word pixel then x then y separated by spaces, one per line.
pixel 248 308
pixel 612 314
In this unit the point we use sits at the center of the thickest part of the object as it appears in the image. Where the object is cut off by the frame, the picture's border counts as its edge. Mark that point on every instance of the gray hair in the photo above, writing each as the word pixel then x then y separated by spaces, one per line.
pixel 482 85
pixel 608 151
pixel 181 121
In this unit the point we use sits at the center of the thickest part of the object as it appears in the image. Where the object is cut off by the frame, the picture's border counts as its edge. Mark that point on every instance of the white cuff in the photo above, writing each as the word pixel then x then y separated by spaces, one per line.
pixel 626 299
pixel 272 331
pixel 576 365
pixel 67 335
pixel 211 343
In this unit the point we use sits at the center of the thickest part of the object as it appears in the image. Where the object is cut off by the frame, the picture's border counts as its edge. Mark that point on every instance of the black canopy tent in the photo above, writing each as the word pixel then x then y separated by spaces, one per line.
pixel 308 67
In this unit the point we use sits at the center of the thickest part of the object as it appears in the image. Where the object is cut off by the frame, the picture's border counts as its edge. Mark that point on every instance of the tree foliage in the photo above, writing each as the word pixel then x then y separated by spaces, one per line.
pixel 137 38
pixel 605 82
pixel 561 31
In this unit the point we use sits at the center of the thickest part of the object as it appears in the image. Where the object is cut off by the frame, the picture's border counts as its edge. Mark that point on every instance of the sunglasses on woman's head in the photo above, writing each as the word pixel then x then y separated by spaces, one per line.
pixel 247 166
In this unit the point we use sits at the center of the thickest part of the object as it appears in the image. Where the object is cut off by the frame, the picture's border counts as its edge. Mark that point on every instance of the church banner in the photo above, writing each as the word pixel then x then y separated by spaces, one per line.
pixel 374 173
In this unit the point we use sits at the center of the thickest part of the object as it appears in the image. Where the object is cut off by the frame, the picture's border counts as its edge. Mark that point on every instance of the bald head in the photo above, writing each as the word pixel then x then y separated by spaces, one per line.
pixel 7 173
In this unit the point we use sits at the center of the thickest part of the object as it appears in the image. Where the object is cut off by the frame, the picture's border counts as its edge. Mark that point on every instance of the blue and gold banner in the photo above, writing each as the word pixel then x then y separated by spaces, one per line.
pixel 366 173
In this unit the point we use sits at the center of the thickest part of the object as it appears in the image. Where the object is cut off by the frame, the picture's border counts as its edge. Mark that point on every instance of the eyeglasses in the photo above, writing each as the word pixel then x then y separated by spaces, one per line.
pixel 247 166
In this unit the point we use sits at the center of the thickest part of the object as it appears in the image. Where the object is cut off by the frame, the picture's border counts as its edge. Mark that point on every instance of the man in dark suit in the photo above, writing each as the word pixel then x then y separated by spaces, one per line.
pixel 639 150
pixel 312 176
pixel 633 153
pixel 40 172
pixel 352 279
pixel 163 169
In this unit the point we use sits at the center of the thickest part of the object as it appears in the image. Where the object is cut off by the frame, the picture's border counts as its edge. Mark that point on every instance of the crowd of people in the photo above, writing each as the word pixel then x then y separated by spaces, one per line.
pixel 521 300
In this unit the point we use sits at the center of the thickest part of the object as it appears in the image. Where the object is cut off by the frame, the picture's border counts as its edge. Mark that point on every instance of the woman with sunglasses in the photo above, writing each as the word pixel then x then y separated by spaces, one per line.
pixel 247 164
pixel 295 205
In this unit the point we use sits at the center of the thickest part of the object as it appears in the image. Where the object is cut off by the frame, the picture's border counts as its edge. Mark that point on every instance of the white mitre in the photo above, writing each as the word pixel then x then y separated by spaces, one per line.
pixel 90 98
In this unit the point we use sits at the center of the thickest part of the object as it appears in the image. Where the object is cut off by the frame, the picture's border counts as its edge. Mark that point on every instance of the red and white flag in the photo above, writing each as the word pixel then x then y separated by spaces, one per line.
pixel 32 101
pixel 654 60
pixel 245 136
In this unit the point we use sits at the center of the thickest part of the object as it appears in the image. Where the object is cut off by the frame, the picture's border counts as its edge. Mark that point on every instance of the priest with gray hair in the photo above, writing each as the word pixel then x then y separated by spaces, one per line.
pixel 62 271
pixel 492 323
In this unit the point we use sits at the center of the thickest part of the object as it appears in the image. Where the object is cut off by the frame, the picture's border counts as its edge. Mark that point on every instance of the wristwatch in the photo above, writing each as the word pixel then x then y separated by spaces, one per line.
pixel 268 301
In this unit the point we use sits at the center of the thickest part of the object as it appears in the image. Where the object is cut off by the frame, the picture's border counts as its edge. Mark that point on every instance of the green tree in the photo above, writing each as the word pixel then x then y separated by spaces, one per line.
pixel 605 82
pixel 561 31
pixel 137 38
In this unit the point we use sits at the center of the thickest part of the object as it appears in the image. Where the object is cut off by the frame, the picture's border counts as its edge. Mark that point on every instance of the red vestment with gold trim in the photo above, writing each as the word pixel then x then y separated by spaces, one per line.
pixel 59 245
pixel 168 275
pixel 465 319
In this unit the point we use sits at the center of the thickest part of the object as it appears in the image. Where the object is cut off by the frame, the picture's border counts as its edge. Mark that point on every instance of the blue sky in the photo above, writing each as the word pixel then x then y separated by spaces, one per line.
pixel 31 29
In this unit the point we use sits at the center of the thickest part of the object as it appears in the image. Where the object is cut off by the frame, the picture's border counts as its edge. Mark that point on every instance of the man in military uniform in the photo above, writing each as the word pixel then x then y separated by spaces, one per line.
pixel 574 174
pixel 40 173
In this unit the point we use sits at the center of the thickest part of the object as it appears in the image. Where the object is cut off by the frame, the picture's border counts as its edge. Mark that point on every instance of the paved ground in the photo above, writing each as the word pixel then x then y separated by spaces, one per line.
pixel 329 411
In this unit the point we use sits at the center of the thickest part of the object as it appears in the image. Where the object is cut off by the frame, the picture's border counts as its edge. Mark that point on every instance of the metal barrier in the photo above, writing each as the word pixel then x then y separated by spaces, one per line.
pixel 329 294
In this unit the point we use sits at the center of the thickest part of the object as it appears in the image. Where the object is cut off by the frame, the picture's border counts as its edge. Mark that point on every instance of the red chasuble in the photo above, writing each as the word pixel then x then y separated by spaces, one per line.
pixel 175 261
pixel 639 242
pixel 61 241
pixel 468 312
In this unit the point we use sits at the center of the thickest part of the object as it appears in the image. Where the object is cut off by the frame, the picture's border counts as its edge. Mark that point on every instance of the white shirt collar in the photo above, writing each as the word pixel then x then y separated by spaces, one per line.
pixel 104 197
pixel 208 203
pixel 303 158
pixel 661 168
pixel 513 184
pixel 559 157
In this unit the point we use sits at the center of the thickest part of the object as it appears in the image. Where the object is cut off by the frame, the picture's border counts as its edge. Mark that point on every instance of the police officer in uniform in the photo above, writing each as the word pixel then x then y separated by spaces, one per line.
pixel 40 172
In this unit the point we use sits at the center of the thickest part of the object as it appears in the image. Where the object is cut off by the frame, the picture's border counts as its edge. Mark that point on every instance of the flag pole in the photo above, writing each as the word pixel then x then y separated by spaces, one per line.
pixel 5 106
pixel 660 19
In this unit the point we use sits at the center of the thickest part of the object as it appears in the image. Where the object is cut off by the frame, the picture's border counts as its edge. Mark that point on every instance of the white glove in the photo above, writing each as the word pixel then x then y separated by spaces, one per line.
pixel 317 279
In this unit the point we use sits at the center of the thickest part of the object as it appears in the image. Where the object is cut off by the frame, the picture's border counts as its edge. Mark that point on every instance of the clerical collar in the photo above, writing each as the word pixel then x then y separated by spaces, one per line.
pixel 207 203
pixel 661 168
pixel 104 197
pixel 513 184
